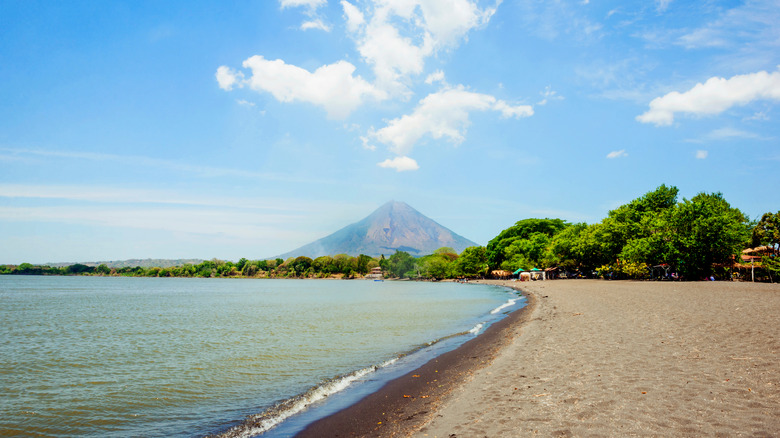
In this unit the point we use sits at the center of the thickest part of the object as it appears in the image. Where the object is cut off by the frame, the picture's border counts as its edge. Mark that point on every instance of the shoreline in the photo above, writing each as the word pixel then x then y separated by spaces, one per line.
pixel 596 357
pixel 406 403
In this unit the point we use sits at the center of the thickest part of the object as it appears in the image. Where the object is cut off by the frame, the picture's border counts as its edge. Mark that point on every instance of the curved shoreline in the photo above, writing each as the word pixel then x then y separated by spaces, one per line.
pixel 407 403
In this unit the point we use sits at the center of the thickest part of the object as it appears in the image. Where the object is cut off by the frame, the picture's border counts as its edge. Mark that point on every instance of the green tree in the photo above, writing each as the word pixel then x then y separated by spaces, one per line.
pixel 767 231
pixel 362 264
pixel 301 264
pixel 472 262
pixel 522 230
pixel 250 269
pixel 526 253
pixel 26 269
pixel 640 219
pixel 706 230
pixel 562 248
pixel 436 266
pixel 400 264
pixel 79 269
pixel 102 270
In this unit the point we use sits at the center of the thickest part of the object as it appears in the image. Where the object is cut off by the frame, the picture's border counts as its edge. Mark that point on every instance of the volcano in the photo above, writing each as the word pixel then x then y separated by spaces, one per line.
pixel 393 227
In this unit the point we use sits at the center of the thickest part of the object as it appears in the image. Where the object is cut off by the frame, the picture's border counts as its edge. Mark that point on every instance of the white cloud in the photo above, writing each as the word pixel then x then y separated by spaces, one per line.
pixel 313 4
pixel 355 18
pixel 751 26
pixel 617 154
pixel 547 95
pixel 243 102
pixel 701 155
pixel 400 164
pixel 437 76
pixel 315 24
pixel 227 78
pixel 332 86
pixel 713 97
pixel 662 5
pixel 401 34
pixel 367 143
pixel 442 114
pixel 729 133
pixel 759 115
pixel 311 11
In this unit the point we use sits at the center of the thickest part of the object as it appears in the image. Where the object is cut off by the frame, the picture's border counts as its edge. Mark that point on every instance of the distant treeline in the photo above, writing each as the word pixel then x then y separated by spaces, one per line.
pixel 654 235
pixel 444 263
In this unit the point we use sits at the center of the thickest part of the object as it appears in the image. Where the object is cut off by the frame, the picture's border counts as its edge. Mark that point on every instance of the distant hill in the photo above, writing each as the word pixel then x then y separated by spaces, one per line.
pixel 132 263
pixel 393 226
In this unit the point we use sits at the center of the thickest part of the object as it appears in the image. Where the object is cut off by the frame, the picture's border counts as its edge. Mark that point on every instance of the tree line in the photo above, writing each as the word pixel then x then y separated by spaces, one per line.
pixel 654 234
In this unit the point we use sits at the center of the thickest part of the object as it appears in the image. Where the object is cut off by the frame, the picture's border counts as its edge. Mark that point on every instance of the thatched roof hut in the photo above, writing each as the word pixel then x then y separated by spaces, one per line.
pixel 500 273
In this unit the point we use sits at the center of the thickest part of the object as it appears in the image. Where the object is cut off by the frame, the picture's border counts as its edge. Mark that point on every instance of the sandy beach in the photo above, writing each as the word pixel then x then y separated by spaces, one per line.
pixel 597 358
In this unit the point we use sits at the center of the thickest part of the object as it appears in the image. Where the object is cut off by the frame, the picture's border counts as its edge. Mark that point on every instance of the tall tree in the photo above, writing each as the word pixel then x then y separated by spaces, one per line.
pixel 706 230
pixel 767 231
pixel 400 263
pixel 472 262
pixel 524 229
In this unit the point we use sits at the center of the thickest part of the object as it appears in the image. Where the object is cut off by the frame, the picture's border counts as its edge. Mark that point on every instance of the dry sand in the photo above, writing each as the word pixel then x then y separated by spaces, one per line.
pixel 615 358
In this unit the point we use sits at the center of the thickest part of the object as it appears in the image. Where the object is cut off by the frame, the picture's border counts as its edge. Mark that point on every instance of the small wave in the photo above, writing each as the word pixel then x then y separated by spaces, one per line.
pixel 476 329
pixel 257 424
pixel 510 302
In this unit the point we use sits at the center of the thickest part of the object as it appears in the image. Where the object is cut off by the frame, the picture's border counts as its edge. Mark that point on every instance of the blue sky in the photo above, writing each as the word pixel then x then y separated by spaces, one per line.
pixel 245 129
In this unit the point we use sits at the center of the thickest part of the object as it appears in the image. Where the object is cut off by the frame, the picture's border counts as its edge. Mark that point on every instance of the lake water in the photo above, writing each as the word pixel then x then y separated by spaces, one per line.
pixel 113 356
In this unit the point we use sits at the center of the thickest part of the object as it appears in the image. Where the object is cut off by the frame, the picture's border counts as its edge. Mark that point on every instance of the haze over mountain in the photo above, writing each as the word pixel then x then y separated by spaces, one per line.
pixel 393 227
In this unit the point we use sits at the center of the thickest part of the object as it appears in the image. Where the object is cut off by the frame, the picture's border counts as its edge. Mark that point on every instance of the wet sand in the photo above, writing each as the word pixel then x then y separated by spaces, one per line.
pixel 597 358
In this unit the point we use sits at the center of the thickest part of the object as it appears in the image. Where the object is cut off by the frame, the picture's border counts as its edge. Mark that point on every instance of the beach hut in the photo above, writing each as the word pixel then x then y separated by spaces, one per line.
pixel 522 275
pixel 500 273
pixel 538 274
pixel 754 255
pixel 531 274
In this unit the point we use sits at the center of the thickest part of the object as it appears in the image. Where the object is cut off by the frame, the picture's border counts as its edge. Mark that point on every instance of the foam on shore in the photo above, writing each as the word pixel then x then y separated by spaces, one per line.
pixel 269 419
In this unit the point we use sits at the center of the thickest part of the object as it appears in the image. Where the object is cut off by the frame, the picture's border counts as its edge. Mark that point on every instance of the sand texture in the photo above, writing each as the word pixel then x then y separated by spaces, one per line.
pixel 618 358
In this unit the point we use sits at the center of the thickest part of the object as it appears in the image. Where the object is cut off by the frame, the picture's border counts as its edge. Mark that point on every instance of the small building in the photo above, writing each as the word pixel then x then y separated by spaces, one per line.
pixel 531 274
pixel 376 273
pixel 500 273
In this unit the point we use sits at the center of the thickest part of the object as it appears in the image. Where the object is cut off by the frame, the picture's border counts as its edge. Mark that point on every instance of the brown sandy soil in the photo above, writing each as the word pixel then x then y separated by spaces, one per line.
pixel 616 358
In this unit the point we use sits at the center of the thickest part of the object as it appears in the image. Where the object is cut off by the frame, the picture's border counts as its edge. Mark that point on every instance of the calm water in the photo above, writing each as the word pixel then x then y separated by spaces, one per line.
pixel 91 356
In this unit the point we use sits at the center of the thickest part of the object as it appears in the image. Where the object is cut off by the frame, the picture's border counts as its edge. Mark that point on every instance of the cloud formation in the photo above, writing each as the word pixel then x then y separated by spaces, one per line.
pixel 228 78
pixel 400 164
pixel 750 26
pixel 617 154
pixel 394 38
pixel 313 4
pixel 332 86
pixel 311 11
pixel 400 34
pixel 315 24
pixel 701 155
pixel 713 97
pixel 442 114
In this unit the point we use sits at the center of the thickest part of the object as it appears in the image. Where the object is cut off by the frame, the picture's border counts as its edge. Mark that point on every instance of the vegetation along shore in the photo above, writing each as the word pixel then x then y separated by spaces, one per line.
pixel 655 236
